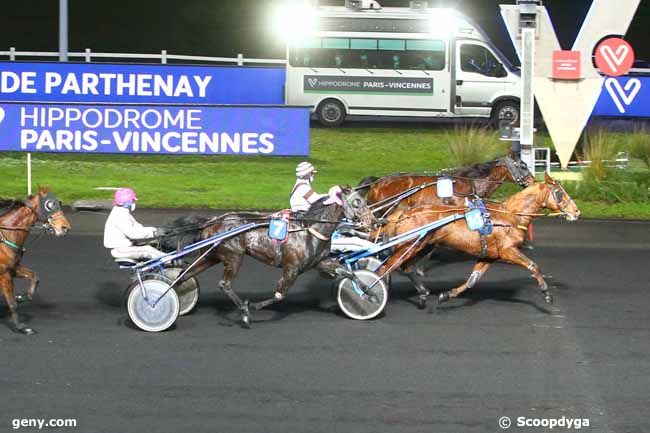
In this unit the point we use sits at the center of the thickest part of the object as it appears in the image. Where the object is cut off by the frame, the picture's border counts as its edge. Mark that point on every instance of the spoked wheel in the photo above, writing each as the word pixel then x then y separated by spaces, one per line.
pixel 361 303
pixel 153 318
pixel 188 291
pixel 372 264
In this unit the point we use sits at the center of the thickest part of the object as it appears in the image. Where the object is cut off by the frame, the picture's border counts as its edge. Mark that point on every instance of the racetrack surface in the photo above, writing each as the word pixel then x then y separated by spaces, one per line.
pixel 498 351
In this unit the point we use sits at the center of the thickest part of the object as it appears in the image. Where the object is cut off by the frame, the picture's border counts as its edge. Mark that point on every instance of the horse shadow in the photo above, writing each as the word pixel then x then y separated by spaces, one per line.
pixel 507 291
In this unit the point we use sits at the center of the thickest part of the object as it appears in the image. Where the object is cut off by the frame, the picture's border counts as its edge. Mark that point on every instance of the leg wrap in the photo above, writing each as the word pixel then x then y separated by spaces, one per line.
pixel 473 279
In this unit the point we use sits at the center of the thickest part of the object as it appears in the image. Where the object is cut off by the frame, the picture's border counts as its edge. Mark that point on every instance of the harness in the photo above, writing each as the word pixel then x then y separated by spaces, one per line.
pixel 478 209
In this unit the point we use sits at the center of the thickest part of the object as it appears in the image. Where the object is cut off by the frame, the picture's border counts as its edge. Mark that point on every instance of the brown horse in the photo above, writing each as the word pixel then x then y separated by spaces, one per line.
pixel 477 179
pixel 15 226
pixel 510 220
pixel 385 196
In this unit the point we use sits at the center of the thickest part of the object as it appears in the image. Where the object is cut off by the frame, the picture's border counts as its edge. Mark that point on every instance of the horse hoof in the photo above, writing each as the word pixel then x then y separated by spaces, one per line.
pixel 548 298
pixel 23 298
pixel 443 297
pixel 246 322
pixel 26 330
pixel 422 304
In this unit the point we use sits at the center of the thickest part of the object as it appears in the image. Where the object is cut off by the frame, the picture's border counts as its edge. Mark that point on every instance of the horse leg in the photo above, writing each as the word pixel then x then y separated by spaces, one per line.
pixel 231 266
pixel 479 269
pixel 412 270
pixel 516 257
pixel 8 290
pixel 26 273
pixel 289 275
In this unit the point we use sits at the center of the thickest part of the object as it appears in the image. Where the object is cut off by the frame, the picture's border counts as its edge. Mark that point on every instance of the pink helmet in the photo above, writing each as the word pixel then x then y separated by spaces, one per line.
pixel 124 196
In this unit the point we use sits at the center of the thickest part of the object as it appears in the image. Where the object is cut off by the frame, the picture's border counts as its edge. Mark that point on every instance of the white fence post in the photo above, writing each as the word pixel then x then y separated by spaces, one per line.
pixel 163 56
pixel 12 53
pixel 88 55
pixel 29 174
pixel 240 59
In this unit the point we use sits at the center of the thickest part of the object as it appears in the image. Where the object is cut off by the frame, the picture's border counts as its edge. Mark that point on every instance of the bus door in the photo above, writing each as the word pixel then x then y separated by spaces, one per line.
pixel 479 78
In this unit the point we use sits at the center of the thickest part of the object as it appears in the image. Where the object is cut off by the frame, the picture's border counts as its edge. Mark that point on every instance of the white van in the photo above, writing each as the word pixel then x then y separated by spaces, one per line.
pixel 365 60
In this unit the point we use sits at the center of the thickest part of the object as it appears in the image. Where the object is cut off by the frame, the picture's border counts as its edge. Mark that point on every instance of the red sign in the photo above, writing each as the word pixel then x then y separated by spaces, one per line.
pixel 566 65
pixel 614 57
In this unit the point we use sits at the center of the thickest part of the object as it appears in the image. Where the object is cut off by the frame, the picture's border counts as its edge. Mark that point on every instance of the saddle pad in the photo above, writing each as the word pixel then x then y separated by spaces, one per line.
pixel 278 229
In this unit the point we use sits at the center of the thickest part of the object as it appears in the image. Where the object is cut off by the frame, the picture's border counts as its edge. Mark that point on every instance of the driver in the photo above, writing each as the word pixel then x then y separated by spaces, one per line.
pixel 345 238
pixel 302 194
pixel 121 229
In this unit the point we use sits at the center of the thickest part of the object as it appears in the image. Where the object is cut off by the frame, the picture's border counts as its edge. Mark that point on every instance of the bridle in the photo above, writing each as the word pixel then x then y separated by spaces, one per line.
pixel 356 202
pixel 48 210
pixel 518 170
pixel 558 195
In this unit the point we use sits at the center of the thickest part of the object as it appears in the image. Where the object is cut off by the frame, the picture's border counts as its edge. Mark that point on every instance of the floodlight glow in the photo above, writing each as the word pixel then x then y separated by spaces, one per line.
pixel 444 21
pixel 294 21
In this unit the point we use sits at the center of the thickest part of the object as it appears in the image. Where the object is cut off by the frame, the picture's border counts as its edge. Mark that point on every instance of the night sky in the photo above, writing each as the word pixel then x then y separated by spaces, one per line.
pixel 228 27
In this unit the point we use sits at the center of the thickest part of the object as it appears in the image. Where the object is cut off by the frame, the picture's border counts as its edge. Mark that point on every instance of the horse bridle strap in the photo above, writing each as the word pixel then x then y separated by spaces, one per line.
pixel 317 234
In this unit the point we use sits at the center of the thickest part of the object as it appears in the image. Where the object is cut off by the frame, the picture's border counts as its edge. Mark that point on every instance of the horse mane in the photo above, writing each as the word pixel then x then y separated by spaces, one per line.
pixel 185 230
pixel 478 170
pixel 7 205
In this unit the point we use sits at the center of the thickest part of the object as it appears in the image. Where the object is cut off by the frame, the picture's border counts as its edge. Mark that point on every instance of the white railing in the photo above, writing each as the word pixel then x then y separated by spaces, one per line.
pixel 163 57
pixel 621 162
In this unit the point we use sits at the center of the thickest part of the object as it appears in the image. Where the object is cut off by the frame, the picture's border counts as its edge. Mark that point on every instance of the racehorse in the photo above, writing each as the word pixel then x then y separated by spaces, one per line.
pixel 15 226
pixel 392 194
pixel 306 247
pixel 510 221
pixel 478 179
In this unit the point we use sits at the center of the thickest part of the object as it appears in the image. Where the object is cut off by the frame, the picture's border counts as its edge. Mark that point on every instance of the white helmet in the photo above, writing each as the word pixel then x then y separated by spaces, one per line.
pixel 305 169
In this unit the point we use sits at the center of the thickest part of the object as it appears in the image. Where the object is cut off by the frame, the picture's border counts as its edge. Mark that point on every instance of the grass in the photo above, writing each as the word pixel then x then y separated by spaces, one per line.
pixel 343 156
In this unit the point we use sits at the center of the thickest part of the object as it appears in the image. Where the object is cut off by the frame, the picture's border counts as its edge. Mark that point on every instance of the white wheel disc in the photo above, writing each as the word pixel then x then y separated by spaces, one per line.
pixel 146 317
pixel 359 305
pixel 372 264
pixel 188 291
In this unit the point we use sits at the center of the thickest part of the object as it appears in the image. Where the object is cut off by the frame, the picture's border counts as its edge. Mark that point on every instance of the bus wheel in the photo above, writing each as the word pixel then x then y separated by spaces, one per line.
pixel 506 111
pixel 330 113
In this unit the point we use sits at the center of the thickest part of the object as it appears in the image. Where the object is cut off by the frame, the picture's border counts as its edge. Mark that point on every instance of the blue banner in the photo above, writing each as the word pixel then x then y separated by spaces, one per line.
pixel 189 130
pixel 149 84
pixel 625 97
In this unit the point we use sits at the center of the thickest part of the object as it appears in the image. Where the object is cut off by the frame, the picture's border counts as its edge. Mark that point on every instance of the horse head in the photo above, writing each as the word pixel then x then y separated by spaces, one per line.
pixel 49 211
pixel 354 206
pixel 517 171
pixel 559 201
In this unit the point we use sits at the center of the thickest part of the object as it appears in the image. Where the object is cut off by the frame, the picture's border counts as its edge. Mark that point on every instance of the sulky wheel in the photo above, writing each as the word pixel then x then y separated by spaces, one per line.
pixel 153 318
pixel 372 264
pixel 361 303
pixel 188 291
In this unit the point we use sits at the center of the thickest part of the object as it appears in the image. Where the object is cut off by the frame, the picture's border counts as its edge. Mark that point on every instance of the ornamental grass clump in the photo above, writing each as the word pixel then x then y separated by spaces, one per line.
pixel 600 150
pixel 638 144
pixel 469 144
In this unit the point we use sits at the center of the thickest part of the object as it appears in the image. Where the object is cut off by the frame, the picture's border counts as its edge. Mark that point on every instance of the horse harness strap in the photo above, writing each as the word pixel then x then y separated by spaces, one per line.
pixel 317 234
pixel 11 244
pixel 484 247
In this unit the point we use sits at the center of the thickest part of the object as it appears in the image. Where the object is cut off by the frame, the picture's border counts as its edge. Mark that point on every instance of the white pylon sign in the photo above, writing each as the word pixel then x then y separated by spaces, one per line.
pixel 567 105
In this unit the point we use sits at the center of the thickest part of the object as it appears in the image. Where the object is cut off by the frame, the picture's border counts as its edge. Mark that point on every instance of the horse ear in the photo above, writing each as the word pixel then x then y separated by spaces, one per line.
pixel 515 156
pixel 548 179
pixel 43 189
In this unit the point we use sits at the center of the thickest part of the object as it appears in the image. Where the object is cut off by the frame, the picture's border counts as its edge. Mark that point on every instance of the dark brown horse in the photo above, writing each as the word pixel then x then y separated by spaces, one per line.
pixel 307 245
pixel 15 225
pixel 478 179
pixel 511 219
pixel 385 196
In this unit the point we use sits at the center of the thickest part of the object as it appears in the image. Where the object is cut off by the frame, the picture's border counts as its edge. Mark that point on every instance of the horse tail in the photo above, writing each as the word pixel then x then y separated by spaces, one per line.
pixel 183 232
